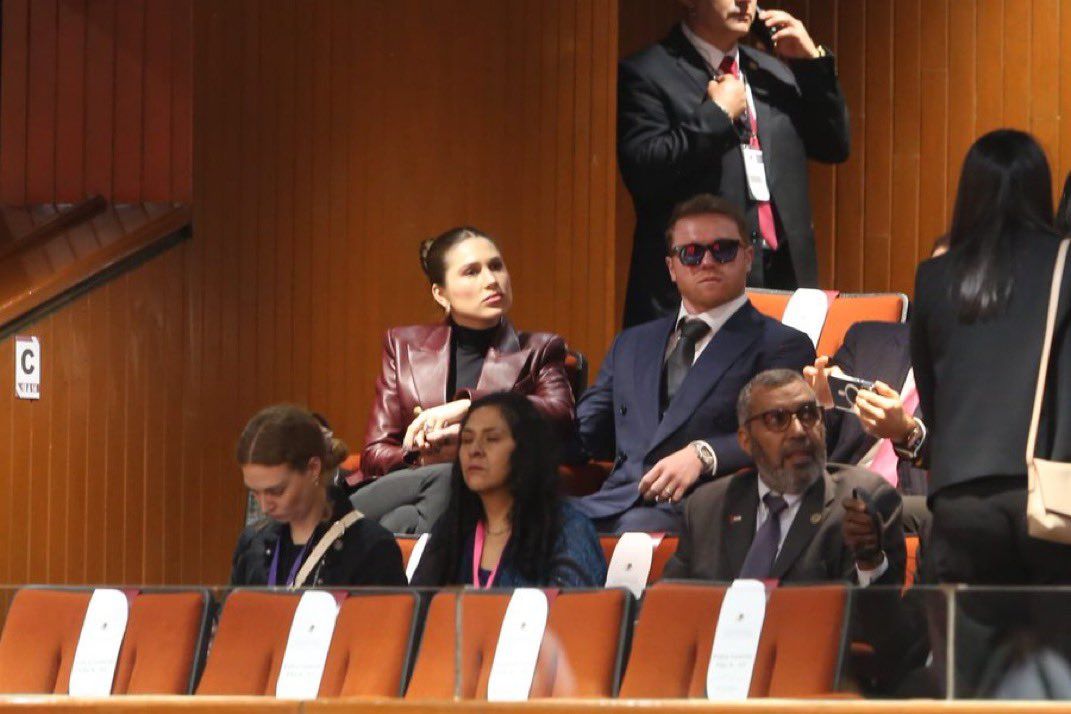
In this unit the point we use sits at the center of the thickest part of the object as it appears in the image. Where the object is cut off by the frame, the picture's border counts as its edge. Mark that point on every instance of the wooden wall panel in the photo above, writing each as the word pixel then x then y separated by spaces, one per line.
pixel 313 203
pixel 96 98
pixel 923 80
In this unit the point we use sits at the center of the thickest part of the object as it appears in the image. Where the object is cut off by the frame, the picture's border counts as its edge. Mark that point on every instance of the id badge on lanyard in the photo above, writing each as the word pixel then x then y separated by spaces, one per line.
pixel 754 167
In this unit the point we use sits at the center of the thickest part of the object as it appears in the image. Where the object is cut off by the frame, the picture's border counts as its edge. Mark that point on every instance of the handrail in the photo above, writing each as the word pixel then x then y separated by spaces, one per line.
pixel 33 293
pixel 65 220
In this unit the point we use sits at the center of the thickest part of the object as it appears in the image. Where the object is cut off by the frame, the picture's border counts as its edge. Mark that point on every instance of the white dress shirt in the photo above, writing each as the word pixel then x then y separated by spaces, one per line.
pixel 713 57
pixel 714 317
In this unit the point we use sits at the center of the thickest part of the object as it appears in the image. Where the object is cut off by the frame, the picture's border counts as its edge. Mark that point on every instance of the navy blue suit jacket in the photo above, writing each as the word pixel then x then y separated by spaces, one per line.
pixel 618 416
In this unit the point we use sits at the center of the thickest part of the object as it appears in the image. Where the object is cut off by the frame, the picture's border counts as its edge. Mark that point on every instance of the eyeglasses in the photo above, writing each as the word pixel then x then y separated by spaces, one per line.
pixel 779 419
pixel 722 250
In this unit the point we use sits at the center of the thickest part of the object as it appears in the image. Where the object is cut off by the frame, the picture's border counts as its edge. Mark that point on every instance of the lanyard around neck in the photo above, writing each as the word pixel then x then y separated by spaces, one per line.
pixel 273 572
pixel 477 555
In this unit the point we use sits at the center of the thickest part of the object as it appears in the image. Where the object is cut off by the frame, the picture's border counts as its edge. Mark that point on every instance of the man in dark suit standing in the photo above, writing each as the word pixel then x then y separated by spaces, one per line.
pixel 791 518
pixel 663 406
pixel 699 113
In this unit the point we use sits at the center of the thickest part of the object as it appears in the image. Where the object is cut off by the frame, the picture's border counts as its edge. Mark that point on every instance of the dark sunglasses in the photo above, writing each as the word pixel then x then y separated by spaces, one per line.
pixel 722 250
pixel 778 419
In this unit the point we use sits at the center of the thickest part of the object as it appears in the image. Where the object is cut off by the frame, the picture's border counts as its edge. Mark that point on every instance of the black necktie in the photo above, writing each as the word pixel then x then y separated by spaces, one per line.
pixel 760 556
pixel 680 359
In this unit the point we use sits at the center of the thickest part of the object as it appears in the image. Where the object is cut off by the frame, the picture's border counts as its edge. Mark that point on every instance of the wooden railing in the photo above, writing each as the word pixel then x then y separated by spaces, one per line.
pixel 49 254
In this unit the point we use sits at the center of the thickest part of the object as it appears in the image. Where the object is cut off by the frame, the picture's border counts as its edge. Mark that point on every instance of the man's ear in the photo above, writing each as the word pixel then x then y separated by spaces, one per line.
pixel 670 267
pixel 744 439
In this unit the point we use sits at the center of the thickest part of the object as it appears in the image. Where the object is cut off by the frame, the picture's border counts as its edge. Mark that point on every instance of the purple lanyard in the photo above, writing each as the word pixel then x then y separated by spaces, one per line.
pixel 273 572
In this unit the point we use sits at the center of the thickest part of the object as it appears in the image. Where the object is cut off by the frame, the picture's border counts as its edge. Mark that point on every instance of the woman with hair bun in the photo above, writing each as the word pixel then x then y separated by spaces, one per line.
pixel 289 458
pixel 432 373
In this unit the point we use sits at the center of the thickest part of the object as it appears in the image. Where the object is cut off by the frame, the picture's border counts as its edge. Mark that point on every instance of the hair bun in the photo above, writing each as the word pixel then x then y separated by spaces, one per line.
pixel 425 249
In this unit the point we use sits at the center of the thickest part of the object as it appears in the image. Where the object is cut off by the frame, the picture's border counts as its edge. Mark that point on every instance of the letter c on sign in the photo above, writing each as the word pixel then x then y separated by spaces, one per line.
pixel 28 366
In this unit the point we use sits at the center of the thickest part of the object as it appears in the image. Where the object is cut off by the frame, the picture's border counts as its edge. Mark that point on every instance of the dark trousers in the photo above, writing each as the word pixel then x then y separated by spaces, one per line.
pixel 772 268
pixel 408 501
pixel 979 538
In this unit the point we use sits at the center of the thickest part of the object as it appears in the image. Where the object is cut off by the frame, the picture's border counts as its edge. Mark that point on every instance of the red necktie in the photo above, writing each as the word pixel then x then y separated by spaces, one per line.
pixel 767 226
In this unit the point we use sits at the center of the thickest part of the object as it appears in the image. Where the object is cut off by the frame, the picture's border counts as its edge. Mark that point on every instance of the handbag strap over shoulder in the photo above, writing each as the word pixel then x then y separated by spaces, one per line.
pixel 333 533
pixel 1046 347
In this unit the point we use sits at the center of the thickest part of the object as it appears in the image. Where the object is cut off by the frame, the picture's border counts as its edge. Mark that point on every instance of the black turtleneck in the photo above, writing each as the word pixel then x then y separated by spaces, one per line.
pixel 468 348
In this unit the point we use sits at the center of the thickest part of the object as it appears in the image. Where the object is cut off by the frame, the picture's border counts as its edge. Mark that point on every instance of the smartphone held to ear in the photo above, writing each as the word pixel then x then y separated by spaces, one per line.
pixel 761 32
pixel 844 390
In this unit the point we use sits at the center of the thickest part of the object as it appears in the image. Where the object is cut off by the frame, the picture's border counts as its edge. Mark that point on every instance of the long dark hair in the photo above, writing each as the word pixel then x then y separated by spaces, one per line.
pixel 1005 187
pixel 1063 212
pixel 533 483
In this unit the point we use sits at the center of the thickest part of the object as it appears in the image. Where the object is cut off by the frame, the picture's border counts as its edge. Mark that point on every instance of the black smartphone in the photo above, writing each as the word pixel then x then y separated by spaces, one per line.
pixel 844 390
pixel 761 33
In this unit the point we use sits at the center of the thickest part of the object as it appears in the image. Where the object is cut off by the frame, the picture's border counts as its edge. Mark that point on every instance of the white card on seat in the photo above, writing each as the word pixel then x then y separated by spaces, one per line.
pixel 518 646
pixel 630 565
pixel 97 652
pixel 736 641
pixel 806 311
pixel 414 557
pixel 307 645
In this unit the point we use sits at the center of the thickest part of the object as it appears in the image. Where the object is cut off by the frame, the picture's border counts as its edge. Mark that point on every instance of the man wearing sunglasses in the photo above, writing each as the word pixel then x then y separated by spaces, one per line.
pixel 792 517
pixel 663 405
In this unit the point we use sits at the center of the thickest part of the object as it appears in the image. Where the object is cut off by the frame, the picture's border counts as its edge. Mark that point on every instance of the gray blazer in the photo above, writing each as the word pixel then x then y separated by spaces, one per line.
pixel 719 525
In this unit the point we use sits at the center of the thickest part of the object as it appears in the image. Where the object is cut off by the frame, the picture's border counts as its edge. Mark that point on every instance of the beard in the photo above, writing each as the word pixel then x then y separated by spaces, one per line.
pixel 783 477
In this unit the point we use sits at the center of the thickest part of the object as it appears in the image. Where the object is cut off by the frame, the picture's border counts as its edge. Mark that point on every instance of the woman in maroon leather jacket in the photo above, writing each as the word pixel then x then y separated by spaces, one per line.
pixel 431 373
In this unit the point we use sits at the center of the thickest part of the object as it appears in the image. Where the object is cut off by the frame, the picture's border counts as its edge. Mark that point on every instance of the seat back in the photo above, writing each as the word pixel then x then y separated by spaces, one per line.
pixel 850 308
pixel 247 651
pixel 39 639
pixel 662 553
pixel 580 656
pixel 576 370
pixel 406 543
pixel 799 652
pixel 912 543
pixel 583 648
pixel 165 639
pixel 844 311
pixel 375 628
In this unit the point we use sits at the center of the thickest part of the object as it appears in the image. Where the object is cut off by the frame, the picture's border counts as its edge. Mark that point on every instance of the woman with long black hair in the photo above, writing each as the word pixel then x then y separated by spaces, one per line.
pixel 507 525
pixel 976 339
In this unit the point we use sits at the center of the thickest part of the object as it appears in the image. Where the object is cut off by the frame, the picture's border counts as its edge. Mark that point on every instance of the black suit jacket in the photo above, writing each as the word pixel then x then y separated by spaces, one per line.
pixel 976 381
pixel 719 525
pixel 874 351
pixel 673 143
pixel 619 416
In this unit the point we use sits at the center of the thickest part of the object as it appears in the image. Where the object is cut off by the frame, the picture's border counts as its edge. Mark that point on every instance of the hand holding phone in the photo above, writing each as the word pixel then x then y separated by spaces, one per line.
pixel 844 389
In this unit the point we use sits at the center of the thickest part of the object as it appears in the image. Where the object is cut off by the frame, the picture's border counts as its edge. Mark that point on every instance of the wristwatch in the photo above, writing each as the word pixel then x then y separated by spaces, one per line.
pixel 910 447
pixel 706 455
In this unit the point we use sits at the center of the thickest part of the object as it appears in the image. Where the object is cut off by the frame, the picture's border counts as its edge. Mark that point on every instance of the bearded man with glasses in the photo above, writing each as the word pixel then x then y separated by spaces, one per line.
pixel 793 517
pixel 663 406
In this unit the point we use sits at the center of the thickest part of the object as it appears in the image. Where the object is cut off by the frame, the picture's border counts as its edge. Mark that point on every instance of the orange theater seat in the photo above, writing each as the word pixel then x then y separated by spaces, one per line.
pixel 799 651
pixel 579 657
pixel 40 635
pixel 850 308
pixel 846 309
pixel 247 651
pixel 165 640
pixel 912 542
pixel 662 553
pixel 406 543
pixel 370 650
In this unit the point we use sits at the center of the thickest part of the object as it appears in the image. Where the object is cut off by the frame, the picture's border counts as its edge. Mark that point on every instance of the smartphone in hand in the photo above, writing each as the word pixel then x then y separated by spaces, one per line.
pixel 844 390
pixel 761 33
